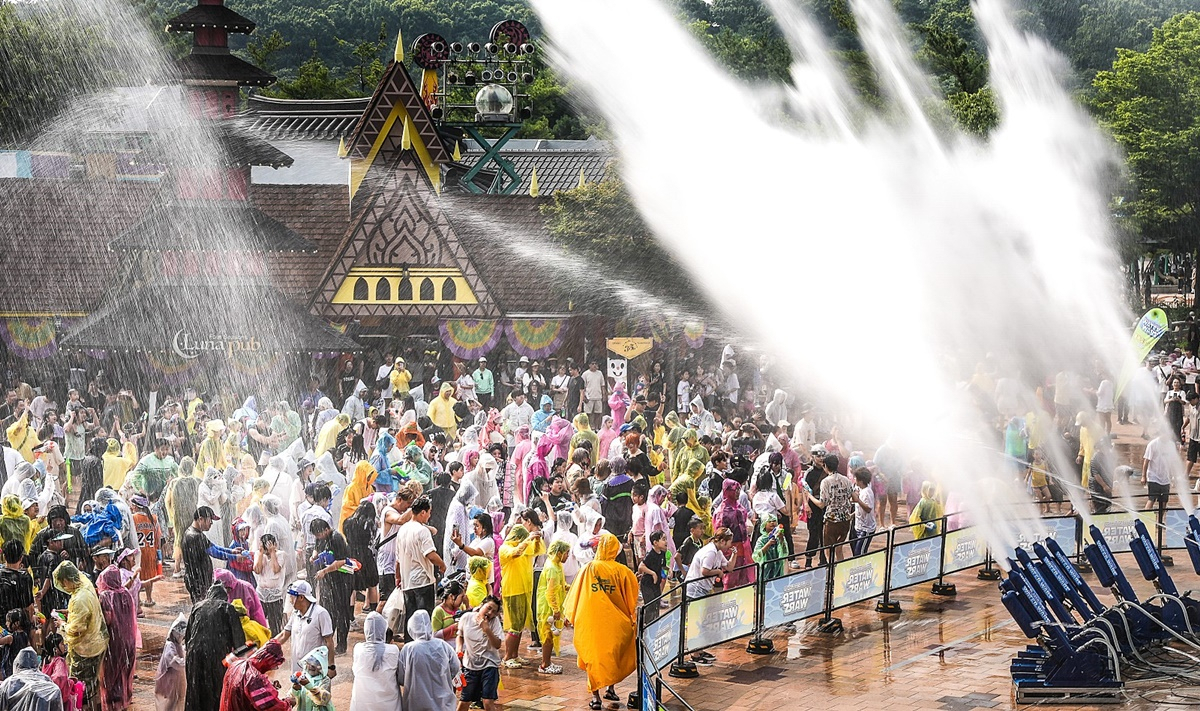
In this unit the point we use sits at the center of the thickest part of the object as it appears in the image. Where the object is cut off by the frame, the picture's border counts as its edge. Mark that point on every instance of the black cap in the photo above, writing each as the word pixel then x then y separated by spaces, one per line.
pixel 206 512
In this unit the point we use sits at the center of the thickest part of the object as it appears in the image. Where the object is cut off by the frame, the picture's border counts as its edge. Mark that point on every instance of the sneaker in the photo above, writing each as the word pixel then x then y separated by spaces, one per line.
pixel 552 669
pixel 701 660
pixel 534 646
pixel 795 565
pixel 515 663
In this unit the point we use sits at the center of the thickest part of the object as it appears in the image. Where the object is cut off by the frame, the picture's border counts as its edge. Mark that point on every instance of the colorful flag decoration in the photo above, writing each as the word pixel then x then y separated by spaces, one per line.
pixel 536 338
pixel 175 370
pixel 1149 329
pixel 468 339
pixel 693 334
pixel 29 338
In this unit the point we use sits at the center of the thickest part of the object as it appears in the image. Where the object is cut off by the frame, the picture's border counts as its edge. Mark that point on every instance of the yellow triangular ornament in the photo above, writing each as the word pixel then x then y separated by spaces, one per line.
pixel 457 151
pixel 342 147
pixel 400 46
pixel 533 183
pixel 406 137
pixel 582 179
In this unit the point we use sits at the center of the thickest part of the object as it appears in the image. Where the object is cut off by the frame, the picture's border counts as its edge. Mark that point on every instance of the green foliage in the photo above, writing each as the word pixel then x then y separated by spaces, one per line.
pixel 1108 25
pixel 1150 101
pixel 750 57
pixel 976 112
pixel 314 80
pixel 263 51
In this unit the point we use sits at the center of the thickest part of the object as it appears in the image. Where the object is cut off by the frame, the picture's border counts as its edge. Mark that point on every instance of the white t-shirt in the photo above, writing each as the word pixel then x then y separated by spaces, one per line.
pixel 707 557
pixel 683 395
pixel 593 384
pixel 308 632
pixel 767 502
pixel 478 653
pixel 1158 453
pixel 413 543
pixel 864 521
pixel 1104 396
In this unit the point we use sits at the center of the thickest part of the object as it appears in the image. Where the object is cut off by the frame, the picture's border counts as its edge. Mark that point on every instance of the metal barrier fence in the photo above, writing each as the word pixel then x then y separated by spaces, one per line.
pixel 677 625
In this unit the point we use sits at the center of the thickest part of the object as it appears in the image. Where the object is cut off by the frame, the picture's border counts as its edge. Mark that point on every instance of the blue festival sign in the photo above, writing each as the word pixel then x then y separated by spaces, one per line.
pixel 660 639
pixel 916 561
pixel 720 618
pixel 794 597
pixel 858 579
pixel 649 700
pixel 1176 523
pixel 964 548
pixel 1062 530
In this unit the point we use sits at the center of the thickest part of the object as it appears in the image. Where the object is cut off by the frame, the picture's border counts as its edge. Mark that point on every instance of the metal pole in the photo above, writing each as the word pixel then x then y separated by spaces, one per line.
pixel 759 644
pixel 683 668
pixel 940 587
pixel 1081 562
pixel 987 572
pixel 1167 560
pixel 829 623
pixel 887 604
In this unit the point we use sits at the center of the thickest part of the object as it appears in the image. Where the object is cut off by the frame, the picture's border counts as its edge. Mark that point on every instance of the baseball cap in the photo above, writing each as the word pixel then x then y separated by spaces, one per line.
pixel 63 537
pixel 103 551
pixel 301 588
pixel 523 359
pixel 482 359
pixel 206 512
pixel 140 500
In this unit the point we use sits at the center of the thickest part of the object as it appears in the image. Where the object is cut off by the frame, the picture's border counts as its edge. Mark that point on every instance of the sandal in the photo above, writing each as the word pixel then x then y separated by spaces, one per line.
pixel 595 705
pixel 512 664
pixel 611 695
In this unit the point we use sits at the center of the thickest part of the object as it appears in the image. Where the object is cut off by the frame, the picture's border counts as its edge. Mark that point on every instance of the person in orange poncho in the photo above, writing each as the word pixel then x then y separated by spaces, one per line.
pixel 361 486
pixel 602 605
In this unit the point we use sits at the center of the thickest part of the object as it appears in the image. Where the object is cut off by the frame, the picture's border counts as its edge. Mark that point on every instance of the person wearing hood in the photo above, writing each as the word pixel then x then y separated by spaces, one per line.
pixel 232 448
pixel 584 433
pixel 237 589
pixel 602 605
pixel 381 459
pixel 211 452
pixel 84 631
pixel 91 472
pixel 416 466
pixel 120 617
pixel 458 522
pixel 516 587
pixel 118 460
pixel 29 689
pixel 619 403
pixel 376 675
pixel 323 413
pixel 686 483
pixel 551 594
pixel 701 420
pixel 256 635
pixel 689 450
pixel 426 667
pixel 518 464
pixel 732 515
pixel 441 411
pixel 776 411
pixel 247 686
pixel 22 482
pixel 362 485
pixel 170 681
pixel 545 414
pixel 22 438
pixel 355 405
pixel 14 524
pixel 213 493
pixel 330 433
pixel 182 499
pixel 214 630
pixel 311 690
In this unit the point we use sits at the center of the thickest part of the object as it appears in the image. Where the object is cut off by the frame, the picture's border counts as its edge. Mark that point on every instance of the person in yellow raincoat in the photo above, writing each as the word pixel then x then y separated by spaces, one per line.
pixel 584 433
pixel 479 569
pixel 516 587
pixel 441 411
pixel 84 631
pixel 551 594
pixel 362 485
pixel 689 450
pixel 255 633
pixel 687 482
pixel 233 444
pixel 14 524
pixel 328 437
pixel 118 460
pixel 602 605
pixel 22 438
pixel 212 449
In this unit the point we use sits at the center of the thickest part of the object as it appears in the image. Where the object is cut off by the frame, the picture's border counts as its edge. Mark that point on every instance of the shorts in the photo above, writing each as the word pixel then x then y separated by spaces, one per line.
pixel 546 633
pixel 593 407
pixel 1158 492
pixel 516 612
pixel 1193 453
pixel 481 684
pixel 895 485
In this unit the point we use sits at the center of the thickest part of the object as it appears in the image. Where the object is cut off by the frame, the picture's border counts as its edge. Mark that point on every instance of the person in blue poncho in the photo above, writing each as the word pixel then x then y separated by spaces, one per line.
pixel 387 479
pixel 542 418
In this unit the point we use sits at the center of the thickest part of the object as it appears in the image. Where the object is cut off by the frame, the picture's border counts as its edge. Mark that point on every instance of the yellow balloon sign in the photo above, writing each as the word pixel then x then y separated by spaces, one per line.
pixel 630 347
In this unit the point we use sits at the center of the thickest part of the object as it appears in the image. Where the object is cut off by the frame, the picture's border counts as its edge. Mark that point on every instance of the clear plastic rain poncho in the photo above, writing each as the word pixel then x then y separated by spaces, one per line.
pixel 28 689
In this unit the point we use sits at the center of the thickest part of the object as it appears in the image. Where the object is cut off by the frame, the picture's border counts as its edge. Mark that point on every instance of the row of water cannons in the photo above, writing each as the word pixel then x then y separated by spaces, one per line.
pixel 1082 646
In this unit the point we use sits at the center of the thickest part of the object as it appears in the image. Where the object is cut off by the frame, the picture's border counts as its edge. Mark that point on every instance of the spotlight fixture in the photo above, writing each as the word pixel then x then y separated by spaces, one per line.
pixel 473 47
pixel 491 48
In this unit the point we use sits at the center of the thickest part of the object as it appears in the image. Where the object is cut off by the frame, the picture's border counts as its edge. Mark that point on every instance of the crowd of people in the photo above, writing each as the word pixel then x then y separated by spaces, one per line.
pixel 449 520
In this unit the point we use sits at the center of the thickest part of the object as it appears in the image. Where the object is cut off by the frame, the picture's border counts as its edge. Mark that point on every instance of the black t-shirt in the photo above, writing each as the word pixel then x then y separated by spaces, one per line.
pixel 640 465
pixel 679 529
pixel 655 561
pixel 688 550
pixel 574 388
pixel 16 589
pixel 813 478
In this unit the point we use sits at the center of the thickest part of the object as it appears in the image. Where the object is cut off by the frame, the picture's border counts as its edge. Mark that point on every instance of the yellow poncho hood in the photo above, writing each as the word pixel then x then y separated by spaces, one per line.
pixel 602 605
pixel 84 631
pixel 361 486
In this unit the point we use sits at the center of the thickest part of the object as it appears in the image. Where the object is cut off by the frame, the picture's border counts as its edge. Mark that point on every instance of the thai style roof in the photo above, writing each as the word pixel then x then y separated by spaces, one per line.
pixel 206 16
pixel 328 119
pixel 209 226
pixel 222 67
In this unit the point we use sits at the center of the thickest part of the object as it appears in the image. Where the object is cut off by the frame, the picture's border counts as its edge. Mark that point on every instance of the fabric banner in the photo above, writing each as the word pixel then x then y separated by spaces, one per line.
pixel 468 339
pixel 794 597
pixel 720 618
pixel 173 369
pixel 661 639
pixel 1175 521
pixel 649 700
pixel 29 338
pixel 916 561
pixel 693 334
pixel 965 548
pixel 1062 530
pixel 1117 528
pixel 858 579
pixel 1149 329
pixel 535 338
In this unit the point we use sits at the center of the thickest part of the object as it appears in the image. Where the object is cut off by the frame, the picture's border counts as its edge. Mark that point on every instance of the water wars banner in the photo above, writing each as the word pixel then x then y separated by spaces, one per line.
pixel 965 548
pixel 794 597
pixel 859 578
pixel 1062 530
pixel 720 618
pixel 661 639
pixel 1149 329
pixel 1117 528
pixel 1175 521
pixel 916 562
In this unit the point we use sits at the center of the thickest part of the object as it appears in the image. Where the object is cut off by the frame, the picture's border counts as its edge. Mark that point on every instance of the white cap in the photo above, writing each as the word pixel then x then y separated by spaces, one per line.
pixel 301 588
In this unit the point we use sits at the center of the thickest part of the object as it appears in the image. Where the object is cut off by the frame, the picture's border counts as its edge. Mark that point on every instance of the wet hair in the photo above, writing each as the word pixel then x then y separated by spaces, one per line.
pixel 318 526
pixel 657 536
pixel 696 521
pixel 641 488
pixel 831 462
pixel 454 588
pixel 862 475
pixel 490 598
pixel 321 492
pixel 603 467
pixel 443 479
pixel 722 535
pixel 681 498
pixel 583 487
pixel 531 515
pixel 421 504
pixel 267 538
pixel 14 551
pixel 720 456
pixel 485 520
pixel 764 481
pixel 558 462
pixel 454 466
pixel 16 619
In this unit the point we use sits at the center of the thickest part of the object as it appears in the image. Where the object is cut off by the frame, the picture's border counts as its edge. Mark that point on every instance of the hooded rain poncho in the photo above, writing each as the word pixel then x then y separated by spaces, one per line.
pixel 376 680
pixel 213 631
pixel 427 668
pixel 361 487
pixel 14 524
pixel 170 684
pixel 315 694
pixel 120 616
pixel 584 433
pixel 28 689
pixel 247 686
pixel 602 605
pixel 238 589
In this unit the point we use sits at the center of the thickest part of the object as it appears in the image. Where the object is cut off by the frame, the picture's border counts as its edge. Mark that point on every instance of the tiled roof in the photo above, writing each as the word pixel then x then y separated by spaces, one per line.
pixel 222 67
pixel 210 16
pixel 289 119
pixel 278 323
pixel 319 214
pixel 556 169
pixel 209 227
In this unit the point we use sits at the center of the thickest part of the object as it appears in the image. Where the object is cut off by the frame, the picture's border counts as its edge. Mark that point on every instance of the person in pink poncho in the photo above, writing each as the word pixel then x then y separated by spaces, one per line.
pixel 241 590
pixel 559 435
pixel 120 616
pixel 619 403
pixel 606 434
pixel 516 463
pixel 657 518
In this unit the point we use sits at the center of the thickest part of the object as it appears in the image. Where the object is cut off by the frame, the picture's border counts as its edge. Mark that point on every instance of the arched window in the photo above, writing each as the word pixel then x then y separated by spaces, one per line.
pixel 449 290
pixel 426 290
pixel 404 290
pixel 361 290
pixel 383 290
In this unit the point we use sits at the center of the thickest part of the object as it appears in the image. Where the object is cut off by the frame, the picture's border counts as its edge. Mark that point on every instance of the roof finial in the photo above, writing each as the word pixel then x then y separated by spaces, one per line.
pixel 582 179
pixel 533 183
pixel 406 137
pixel 457 151
pixel 399 46
pixel 342 152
